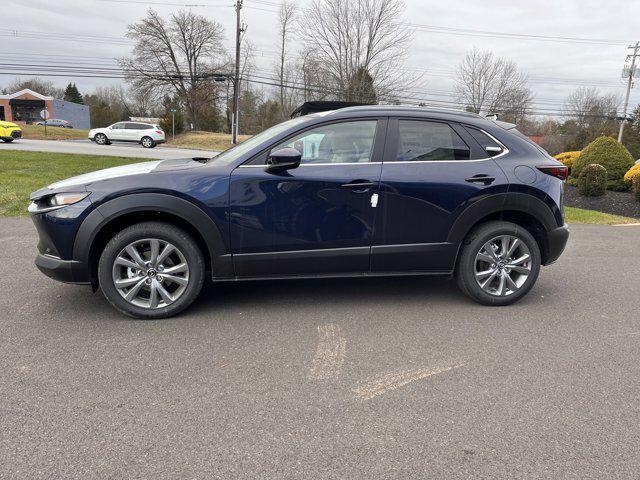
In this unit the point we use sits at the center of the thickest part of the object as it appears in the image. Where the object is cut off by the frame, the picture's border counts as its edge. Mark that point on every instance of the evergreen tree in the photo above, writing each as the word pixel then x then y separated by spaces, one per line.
pixel 360 88
pixel 72 94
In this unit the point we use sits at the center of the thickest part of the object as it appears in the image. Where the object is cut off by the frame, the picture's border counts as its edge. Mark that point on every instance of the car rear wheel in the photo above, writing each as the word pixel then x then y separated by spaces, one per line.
pixel 499 263
pixel 147 142
pixel 101 139
pixel 151 270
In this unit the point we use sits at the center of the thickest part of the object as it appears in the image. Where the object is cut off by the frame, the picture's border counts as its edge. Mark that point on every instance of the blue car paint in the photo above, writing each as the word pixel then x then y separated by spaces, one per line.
pixel 304 222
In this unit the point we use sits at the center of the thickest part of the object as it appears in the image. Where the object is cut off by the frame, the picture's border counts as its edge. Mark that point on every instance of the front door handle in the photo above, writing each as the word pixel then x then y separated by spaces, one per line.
pixel 359 186
pixel 483 179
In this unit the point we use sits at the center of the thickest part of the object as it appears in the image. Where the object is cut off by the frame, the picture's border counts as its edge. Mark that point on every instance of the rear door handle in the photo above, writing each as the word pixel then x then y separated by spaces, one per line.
pixel 359 186
pixel 483 179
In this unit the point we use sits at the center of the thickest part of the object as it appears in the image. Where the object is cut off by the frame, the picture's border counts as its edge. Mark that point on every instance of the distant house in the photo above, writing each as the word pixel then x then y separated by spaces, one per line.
pixel 25 107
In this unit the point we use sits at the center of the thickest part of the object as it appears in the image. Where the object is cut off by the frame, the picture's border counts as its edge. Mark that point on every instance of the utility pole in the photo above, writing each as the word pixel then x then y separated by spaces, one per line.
pixel 236 78
pixel 632 71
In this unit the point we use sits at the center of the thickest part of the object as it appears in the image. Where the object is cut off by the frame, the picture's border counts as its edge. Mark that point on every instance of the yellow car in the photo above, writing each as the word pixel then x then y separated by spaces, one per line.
pixel 9 131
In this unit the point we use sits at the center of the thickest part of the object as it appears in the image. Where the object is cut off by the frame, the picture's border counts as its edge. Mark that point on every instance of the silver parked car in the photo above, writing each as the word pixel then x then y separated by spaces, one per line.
pixel 56 122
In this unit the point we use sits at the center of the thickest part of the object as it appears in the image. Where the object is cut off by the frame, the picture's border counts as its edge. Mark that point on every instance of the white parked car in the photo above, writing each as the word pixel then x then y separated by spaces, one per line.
pixel 146 134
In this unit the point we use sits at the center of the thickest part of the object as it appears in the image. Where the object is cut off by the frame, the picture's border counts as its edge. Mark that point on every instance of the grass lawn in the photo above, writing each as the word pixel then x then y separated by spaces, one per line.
pixel 578 215
pixel 36 132
pixel 24 172
pixel 203 140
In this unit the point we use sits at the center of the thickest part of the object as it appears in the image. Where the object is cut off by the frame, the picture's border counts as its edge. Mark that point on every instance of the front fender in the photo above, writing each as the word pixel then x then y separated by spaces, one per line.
pixel 221 264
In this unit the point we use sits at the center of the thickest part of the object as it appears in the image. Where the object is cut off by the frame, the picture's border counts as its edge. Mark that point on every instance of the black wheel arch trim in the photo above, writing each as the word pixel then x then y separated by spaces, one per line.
pixel 221 263
pixel 501 202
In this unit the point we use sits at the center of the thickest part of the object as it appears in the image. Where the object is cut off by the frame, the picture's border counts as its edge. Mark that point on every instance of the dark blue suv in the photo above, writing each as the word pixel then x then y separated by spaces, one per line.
pixel 353 192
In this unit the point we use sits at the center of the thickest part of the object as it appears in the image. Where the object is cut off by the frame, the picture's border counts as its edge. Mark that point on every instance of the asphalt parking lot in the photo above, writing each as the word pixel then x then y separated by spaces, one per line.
pixel 365 378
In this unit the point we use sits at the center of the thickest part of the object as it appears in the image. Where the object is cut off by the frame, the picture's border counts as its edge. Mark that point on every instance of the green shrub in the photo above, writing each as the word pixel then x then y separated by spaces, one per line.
pixel 593 181
pixel 613 156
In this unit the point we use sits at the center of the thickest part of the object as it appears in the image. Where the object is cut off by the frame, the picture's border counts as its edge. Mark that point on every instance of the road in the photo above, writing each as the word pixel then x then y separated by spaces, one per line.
pixel 363 378
pixel 86 147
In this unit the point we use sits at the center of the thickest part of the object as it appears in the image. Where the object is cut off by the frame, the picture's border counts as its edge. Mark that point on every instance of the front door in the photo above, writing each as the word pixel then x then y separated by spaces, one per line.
pixel 118 132
pixel 314 219
pixel 432 171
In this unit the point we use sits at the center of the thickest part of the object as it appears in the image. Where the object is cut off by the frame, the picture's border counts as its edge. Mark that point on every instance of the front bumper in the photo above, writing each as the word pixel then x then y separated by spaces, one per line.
pixel 68 271
pixel 556 242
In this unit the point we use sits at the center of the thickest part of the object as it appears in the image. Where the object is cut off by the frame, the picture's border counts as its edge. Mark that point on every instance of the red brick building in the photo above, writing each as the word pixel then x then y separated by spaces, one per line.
pixel 25 107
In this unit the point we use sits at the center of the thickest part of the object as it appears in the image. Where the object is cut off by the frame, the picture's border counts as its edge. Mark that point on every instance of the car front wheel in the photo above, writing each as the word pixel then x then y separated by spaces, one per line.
pixel 7 140
pixel 151 270
pixel 101 139
pixel 499 263
pixel 147 142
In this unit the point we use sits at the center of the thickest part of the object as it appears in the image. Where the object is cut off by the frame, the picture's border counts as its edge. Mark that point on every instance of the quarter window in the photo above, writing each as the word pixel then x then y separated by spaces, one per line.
pixel 420 141
pixel 492 147
pixel 347 142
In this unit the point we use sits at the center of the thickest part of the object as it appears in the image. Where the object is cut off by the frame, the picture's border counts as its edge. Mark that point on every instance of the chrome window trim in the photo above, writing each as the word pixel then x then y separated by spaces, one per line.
pixel 315 164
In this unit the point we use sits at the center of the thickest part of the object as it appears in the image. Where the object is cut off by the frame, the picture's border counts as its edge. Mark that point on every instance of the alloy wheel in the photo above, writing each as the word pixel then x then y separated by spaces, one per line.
pixel 147 142
pixel 502 265
pixel 150 273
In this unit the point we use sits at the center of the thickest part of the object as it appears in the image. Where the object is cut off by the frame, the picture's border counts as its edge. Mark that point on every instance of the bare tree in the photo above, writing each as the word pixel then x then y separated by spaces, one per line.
pixel 286 19
pixel 589 107
pixel 175 56
pixel 348 35
pixel 489 84
pixel 43 87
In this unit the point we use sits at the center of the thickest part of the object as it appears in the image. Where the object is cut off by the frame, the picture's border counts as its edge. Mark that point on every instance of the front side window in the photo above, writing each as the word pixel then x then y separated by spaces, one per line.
pixel 118 126
pixel 420 141
pixel 345 142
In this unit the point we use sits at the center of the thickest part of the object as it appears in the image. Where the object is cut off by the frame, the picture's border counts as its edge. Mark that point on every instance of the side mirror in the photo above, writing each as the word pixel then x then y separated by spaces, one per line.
pixel 284 159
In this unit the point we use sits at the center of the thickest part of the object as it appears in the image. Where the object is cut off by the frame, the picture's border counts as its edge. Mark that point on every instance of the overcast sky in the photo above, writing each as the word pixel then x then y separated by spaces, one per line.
pixel 92 31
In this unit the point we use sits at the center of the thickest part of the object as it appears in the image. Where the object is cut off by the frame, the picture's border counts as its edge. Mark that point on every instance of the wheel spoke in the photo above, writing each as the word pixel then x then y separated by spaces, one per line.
pixel 166 296
pixel 155 248
pixel 501 283
pixel 513 247
pixel 484 274
pixel 521 260
pixel 504 246
pixel 510 283
pixel 153 297
pixel 166 251
pixel 131 294
pixel 126 263
pixel 488 249
pixel 519 269
pixel 484 285
pixel 126 282
pixel 133 253
pixel 483 257
pixel 183 267
pixel 175 279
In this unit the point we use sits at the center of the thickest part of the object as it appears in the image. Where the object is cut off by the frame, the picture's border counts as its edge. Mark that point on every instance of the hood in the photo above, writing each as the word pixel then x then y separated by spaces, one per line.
pixel 107 173
pixel 8 124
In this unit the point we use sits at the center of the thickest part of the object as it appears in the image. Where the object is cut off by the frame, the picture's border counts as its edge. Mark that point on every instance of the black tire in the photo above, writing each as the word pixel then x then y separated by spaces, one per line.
pixel 166 233
pixel 8 140
pixel 147 142
pixel 474 242
pixel 101 139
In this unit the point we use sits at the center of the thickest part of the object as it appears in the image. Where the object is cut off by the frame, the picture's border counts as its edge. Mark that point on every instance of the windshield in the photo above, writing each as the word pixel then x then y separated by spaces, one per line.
pixel 236 152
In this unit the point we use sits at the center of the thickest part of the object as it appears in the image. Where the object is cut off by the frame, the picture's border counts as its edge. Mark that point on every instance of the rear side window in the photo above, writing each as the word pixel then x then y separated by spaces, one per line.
pixel 420 141
pixel 489 145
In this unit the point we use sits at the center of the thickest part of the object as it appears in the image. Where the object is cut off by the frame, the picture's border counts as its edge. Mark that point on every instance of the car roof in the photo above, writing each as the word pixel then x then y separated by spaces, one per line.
pixel 410 111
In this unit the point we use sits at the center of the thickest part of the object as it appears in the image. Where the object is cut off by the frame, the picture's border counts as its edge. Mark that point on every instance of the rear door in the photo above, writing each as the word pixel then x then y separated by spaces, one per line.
pixel 432 171
pixel 134 131
pixel 314 219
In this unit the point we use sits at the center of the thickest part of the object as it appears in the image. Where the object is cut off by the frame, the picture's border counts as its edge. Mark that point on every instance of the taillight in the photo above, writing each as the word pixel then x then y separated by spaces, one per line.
pixel 159 132
pixel 558 171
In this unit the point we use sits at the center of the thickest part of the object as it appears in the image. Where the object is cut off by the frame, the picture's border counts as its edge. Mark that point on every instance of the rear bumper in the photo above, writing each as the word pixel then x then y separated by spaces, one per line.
pixel 68 271
pixel 556 242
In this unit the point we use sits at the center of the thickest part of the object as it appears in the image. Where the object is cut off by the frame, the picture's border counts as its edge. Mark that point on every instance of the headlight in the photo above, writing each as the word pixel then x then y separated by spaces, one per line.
pixel 57 201
pixel 62 199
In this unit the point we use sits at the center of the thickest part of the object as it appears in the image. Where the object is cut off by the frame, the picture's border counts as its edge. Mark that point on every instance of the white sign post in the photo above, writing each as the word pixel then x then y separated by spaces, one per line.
pixel 44 114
